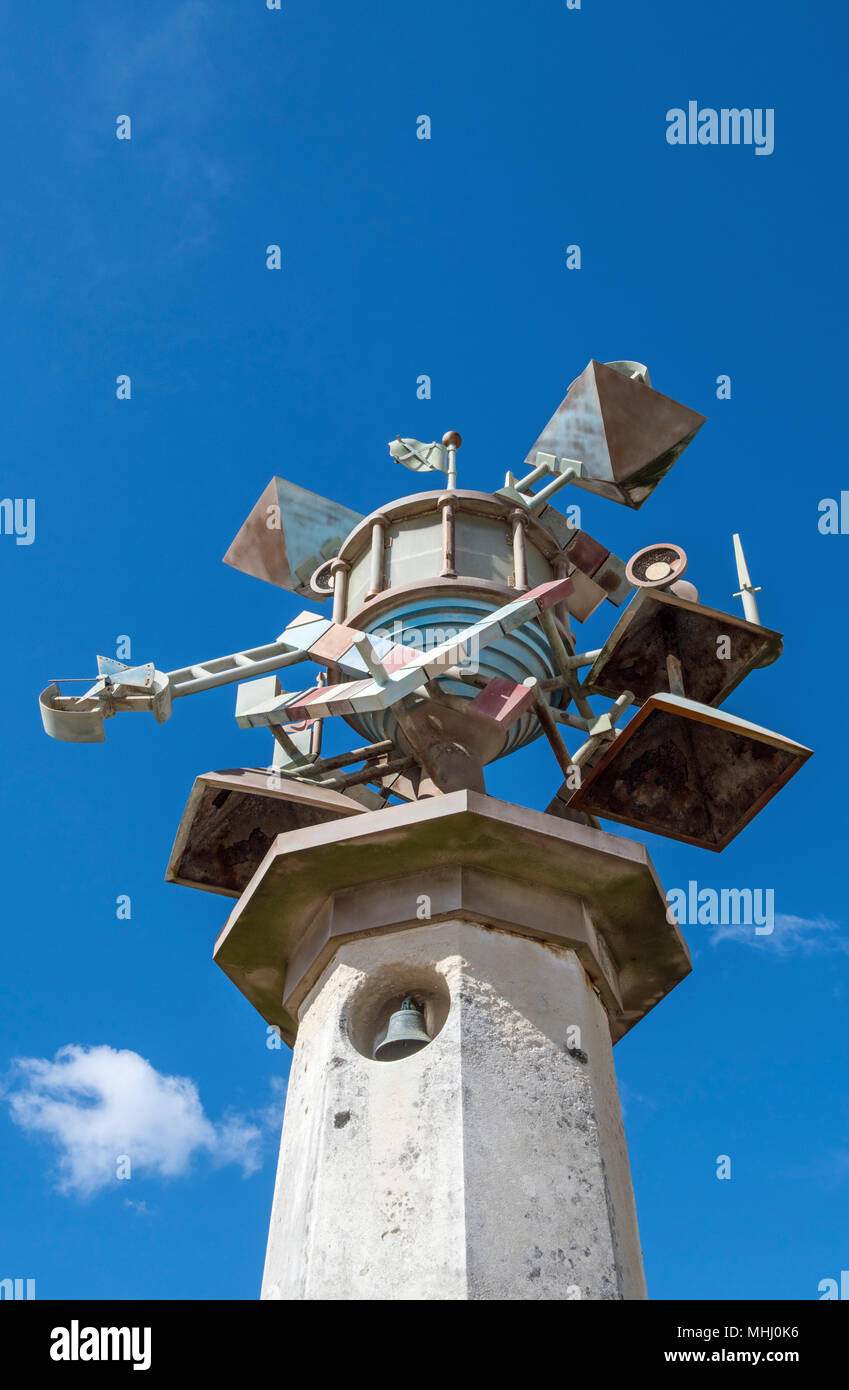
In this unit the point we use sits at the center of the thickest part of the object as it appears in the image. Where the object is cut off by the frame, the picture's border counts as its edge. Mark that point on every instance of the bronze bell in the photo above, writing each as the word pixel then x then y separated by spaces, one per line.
pixel 405 1035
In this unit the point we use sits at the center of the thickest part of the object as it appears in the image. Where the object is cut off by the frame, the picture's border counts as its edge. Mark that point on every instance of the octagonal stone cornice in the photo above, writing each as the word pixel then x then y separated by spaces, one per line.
pixel 464 855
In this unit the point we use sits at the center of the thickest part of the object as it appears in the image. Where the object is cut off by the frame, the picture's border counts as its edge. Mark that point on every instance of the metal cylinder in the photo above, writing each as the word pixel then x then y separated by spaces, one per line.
pixel 378 545
pixel 518 521
pixel 340 569
pixel 446 504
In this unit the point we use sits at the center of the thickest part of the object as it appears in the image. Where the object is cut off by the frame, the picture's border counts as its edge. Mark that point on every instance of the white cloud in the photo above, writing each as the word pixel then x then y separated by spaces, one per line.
pixel 271 1115
pixel 803 934
pixel 97 1103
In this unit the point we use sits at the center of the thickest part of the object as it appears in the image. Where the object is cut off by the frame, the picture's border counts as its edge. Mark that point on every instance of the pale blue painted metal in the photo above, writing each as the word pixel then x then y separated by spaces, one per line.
pixel 522 653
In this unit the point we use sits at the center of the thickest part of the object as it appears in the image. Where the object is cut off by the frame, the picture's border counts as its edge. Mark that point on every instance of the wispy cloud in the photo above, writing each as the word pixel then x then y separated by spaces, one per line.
pixel 166 79
pixel 164 73
pixel 829 1170
pixel 141 1207
pixel 791 934
pixel 630 1099
pixel 95 1104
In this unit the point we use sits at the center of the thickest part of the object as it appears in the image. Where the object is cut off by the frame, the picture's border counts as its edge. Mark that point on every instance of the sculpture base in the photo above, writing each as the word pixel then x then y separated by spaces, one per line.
pixel 489 1165
pixel 492 1163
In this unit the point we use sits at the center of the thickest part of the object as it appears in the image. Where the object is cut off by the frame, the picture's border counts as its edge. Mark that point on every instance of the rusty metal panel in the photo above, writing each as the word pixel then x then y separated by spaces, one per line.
pixel 626 434
pixel 585 552
pixel 689 772
pixel 231 820
pixel 657 623
pixel 288 534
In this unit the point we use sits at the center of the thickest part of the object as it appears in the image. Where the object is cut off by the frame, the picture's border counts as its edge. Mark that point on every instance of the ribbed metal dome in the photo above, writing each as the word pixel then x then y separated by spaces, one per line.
pixel 418 624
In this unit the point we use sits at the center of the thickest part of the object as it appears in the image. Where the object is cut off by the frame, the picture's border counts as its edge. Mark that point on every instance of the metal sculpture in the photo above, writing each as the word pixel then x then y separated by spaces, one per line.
pixel 451 645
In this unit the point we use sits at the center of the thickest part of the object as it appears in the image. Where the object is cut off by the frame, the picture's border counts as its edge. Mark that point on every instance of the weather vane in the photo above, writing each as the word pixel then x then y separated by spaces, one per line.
pixel 451 644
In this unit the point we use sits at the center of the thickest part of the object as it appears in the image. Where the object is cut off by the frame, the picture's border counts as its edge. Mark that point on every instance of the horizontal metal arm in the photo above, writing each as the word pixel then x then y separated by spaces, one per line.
pixel 223 670
pixel 79 719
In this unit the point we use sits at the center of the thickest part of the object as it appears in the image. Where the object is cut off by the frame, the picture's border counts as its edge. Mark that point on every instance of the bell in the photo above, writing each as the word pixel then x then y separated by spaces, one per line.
pixel 405 1035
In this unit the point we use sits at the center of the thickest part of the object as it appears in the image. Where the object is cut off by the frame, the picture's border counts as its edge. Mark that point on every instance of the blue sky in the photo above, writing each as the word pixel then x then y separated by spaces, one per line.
pixel 399 257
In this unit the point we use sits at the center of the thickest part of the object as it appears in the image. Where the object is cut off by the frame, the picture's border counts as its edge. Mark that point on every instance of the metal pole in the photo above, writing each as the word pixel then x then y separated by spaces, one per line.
pixel 747 591
pixel 368 774
pixel 550 729
pixel 561 656
pixel 554 486
pixel 519 520
pixel 452 441
pixel 378 544
pixel 340 569
pixel 446 502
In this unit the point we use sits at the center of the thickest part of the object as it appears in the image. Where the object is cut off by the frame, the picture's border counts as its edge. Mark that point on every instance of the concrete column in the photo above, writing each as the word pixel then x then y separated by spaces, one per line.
pixel 490 1165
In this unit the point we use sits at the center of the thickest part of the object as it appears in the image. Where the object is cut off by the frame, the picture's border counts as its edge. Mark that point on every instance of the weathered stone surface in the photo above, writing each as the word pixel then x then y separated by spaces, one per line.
pixel 473 856
pixel 490 1165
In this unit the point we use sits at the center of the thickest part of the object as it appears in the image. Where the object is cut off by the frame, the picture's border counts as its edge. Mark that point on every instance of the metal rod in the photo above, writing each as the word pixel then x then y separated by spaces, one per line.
pixel 549 728
pixel 674 675
pixel 449 570
pixel 378 545
pixel 288 744
pixel 585 749
pixel 317 730
pixel 617 709
pixel 575 721
pixel 452 466
pixel 620 704
pixel 561 656
pixel 340 569
pixel 356 755
pixel 542 470
pixel 581 659
pixel 368 774
pixel 554 486
pixel 451 442
pixel 519 520
pixel 562 569
pixel 747 590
